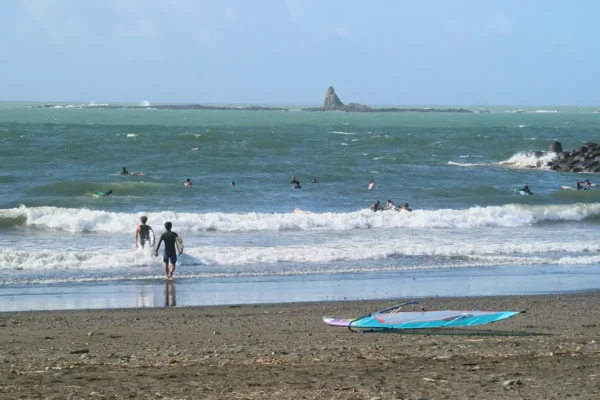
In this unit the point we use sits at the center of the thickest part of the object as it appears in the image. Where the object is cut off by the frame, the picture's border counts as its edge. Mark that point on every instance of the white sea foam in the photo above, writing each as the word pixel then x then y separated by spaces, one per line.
pixel 546 111
pixel 522 126
pixel 513 215
pixel 131 135
pixel 528 160
pixel 343 133
pixel 518 160
pixel 144 103
pixel 286 259
pixel 457 164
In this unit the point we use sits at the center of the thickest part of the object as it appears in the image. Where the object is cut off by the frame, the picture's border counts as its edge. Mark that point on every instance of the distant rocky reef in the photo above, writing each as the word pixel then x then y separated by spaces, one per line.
pixel 333 103
pixel 584 159
pixel 171 107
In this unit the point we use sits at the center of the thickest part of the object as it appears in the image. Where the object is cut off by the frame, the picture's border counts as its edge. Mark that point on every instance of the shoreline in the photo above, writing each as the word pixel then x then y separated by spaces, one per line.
pixel 187 292
pixel 285 351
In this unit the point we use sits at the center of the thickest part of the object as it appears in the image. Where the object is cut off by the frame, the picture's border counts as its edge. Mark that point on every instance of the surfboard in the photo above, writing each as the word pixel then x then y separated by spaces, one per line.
pixel 179 245
pixel 151 238
pixel 421 319
pixel 574 188
pixel 522 193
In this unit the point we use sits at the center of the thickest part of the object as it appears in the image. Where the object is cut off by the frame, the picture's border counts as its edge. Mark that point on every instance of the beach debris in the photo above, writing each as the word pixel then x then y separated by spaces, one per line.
pixel 80 351
pixel 510 383
pixel 14 371
pixel 90 333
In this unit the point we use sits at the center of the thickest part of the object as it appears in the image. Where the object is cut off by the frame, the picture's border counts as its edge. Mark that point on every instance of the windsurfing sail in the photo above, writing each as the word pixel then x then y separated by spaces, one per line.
pixel 393 318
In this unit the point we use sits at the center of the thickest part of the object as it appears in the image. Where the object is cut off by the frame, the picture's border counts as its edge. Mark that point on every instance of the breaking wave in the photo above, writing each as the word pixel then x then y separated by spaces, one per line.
pixel 528 160
pixel 294 259
pixel 86 220
pixel 518 160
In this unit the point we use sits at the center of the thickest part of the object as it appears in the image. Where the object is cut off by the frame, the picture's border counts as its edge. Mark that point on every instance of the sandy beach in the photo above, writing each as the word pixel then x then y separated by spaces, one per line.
pixel 550 351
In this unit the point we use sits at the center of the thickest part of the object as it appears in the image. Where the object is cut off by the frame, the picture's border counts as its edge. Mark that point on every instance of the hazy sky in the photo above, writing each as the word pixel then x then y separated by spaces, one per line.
pixel 521 52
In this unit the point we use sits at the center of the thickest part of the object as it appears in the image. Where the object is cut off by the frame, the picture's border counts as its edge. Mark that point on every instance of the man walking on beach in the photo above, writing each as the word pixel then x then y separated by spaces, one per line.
pixel 170 254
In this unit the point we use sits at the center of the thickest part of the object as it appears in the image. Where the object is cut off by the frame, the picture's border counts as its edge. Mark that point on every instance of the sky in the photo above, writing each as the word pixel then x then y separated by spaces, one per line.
pixel 377 52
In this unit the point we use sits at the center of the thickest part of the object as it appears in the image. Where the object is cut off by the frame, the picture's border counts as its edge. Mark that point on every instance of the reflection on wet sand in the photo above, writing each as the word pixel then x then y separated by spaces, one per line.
pixel 170 296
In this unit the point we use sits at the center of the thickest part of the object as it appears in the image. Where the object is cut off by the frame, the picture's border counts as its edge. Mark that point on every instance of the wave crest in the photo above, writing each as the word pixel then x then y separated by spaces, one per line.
pixel 512 215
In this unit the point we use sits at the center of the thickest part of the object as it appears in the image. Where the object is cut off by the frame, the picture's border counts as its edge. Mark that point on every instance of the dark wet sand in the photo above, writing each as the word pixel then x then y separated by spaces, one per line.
pixel 286 352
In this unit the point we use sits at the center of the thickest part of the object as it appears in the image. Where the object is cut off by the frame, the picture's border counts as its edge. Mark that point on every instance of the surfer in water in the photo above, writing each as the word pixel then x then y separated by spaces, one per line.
pixel 170 253
pixel 188 182
pixel 376 206
pixel 101 193
pixel 294 181
pixel 232 184
pixel 297 185
pixel 406 207
pixel 526 190
pixel 124 172
pixel 143 232
pixel 372 184
pixel 315 180
pixel 584 185
pixel 391 206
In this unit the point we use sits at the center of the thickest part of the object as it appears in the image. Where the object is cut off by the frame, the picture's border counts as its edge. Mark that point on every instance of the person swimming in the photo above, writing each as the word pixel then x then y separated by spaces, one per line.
pixel 188 182
pixel 294 181
pixel 232 184
pixel 372 184
pixel 376 206
pixel 124 172
pixel 314 180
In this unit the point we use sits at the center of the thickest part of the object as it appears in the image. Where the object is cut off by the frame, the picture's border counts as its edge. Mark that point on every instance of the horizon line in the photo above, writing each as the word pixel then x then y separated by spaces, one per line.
pixel 137 103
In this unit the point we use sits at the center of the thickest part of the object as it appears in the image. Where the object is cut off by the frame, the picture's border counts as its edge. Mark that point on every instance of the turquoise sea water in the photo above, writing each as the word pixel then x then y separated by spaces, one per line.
pixel 459 172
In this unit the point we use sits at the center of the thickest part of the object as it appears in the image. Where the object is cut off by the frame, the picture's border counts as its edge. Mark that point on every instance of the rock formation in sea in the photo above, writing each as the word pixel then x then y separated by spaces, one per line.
pixel 333 103
pixel 584 159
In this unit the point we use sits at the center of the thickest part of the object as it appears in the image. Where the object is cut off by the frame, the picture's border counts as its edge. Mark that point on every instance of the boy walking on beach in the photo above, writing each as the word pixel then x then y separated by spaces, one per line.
pixel 170 253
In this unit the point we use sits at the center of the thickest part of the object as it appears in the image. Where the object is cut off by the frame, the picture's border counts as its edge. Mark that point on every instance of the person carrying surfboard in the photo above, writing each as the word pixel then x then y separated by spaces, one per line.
pixel 143 233
pixel 170 253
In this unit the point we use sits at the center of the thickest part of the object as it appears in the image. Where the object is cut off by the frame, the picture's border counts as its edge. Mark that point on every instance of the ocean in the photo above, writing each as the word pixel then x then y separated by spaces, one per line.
pixel 459 173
